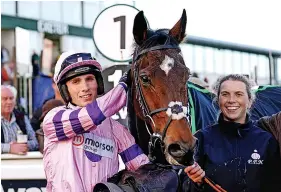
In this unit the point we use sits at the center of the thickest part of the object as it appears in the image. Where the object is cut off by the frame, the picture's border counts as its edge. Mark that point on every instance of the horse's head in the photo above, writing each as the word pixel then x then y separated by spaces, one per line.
pixel 159 88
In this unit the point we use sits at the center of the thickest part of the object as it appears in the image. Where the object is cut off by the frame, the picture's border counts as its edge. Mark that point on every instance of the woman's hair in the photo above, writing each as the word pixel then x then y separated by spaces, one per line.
pixel 233 77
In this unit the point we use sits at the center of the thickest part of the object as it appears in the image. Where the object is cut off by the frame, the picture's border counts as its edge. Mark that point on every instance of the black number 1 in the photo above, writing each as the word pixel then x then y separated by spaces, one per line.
pixel 122 20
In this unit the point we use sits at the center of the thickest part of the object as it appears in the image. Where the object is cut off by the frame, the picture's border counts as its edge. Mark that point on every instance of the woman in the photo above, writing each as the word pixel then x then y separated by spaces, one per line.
pixel 235 153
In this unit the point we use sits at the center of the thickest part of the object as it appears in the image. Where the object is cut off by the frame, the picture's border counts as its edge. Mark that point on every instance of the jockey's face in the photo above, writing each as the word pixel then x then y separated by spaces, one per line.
pixel 82 89
pixel 234 101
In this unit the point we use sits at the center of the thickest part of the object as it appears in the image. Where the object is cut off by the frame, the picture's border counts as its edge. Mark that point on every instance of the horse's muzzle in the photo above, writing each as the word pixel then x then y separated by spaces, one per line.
pixel 182 155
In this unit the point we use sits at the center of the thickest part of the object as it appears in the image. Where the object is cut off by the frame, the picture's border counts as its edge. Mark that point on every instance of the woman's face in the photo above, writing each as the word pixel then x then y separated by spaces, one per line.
pixel 234 101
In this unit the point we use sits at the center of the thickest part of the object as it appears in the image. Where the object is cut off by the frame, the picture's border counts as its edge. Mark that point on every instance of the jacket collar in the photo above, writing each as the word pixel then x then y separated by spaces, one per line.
pixel 13 118
pixel 71 106
pixel 233 128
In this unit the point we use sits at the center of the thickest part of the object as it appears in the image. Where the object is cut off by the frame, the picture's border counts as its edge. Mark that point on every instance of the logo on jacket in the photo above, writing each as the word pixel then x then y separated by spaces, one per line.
pixel 255 158
pixel 95 146
pixel 78 140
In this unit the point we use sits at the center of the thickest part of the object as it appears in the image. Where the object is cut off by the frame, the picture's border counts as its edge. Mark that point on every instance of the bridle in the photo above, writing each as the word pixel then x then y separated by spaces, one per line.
pixel 155 138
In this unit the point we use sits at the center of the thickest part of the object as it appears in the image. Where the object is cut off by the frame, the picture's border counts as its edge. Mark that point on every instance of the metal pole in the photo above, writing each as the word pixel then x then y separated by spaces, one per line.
pixel 25 94
pixel 82 13
pixel 270 60
pixel 256 74
pixel 275 68
pixel 30 97
pixel 20 89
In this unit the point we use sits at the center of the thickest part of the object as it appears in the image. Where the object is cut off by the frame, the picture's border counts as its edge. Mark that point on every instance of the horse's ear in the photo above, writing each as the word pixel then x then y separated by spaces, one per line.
pixel 140 28
pixel 178 31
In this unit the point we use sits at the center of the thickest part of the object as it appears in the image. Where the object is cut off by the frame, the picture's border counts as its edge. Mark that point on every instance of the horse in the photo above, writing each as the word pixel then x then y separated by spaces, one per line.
pixel 157 100
pixel 158 110
pixel 160 107
pixel 160 104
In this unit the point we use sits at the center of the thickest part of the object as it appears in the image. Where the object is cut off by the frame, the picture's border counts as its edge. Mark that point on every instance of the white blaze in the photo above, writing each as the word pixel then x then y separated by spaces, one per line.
pixel 167 64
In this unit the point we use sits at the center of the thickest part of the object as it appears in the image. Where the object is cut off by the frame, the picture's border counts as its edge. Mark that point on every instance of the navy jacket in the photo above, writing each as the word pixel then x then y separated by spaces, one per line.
pixel 239 157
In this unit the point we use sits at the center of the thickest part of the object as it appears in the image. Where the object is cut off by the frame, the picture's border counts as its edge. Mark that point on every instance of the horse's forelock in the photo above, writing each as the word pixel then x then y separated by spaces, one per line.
pixel 154 38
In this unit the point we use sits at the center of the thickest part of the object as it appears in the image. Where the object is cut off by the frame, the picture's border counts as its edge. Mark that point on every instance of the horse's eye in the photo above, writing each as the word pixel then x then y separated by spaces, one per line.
pixel 145 79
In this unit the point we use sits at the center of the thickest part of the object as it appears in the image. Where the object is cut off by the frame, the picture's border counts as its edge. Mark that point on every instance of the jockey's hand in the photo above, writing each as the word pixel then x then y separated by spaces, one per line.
pixel 126 78
pixel 195 173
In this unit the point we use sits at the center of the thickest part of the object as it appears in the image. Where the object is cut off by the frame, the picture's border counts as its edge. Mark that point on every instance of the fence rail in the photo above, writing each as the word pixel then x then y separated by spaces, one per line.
pixel 231 46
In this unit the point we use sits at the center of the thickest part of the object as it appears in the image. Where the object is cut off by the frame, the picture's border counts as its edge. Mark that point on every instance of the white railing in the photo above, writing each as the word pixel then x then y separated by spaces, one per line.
pixel 22 167
pixel 27 167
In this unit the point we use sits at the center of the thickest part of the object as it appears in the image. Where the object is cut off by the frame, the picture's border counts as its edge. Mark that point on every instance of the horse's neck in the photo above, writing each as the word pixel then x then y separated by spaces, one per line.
pixel 139 132
pixel 135 124
pixel 142 134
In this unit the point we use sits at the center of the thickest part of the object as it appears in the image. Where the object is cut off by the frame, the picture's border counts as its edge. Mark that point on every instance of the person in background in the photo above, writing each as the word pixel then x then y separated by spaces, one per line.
pixel 82 132
pixel 272 124
pixel 14 122
pixel 5 79
pixel 35 61
pixel 198 81
pixel 35 120
pixel 236 153
pixel 49 105
pixel 5 55
pixel 8 73
pixel 5 58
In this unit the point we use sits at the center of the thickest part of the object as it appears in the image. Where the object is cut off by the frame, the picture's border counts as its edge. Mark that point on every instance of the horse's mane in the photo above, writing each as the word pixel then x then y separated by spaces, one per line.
pixel 135 124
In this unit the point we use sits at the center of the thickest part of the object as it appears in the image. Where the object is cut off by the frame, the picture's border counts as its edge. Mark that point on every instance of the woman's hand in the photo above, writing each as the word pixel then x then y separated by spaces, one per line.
pixel 195 173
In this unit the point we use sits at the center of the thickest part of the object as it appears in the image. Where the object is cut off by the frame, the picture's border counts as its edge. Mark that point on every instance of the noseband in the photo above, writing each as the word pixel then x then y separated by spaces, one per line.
pixel 173 108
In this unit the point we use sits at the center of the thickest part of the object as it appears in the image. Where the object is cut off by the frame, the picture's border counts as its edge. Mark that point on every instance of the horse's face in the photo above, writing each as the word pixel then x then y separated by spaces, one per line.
pixel 162 76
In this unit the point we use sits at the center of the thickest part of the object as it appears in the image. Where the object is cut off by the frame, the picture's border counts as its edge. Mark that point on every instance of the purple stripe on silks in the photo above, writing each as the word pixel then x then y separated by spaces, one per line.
pixel 124 85
pixel 59 126
pixel 95 113
pixel 75 123
pixel 131 153
pixel 93 157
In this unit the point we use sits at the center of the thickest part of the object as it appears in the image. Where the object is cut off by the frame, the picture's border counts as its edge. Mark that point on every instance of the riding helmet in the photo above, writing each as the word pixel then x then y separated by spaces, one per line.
pixel 71 65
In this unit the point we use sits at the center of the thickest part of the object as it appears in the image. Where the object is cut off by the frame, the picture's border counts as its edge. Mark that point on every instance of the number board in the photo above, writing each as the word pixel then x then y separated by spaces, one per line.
pixel 111 77
pixel 113 32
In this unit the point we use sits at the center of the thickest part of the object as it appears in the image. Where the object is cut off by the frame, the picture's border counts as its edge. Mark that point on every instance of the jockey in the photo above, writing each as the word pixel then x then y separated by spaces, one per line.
pixel 82 142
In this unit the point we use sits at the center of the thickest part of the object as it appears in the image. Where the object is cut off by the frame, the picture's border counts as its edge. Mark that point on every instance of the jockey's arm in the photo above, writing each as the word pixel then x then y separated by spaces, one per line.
pixel 62 123
pixel 131 154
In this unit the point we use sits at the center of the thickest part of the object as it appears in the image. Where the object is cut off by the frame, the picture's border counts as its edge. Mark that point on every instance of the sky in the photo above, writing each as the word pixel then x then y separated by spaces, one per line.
pixel 249 22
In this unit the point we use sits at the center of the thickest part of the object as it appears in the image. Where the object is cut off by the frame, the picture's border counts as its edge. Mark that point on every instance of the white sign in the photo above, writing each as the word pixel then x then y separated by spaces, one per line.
pixel 113 32
pixel 52 27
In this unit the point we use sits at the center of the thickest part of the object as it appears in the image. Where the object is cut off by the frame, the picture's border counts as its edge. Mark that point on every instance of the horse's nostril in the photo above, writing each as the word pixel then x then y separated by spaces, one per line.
pixel 175 150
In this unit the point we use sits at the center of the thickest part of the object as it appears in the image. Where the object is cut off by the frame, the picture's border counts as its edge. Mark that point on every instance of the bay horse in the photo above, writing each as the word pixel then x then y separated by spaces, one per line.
pixel 158 109
pixel 158 102
pixel 158 112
